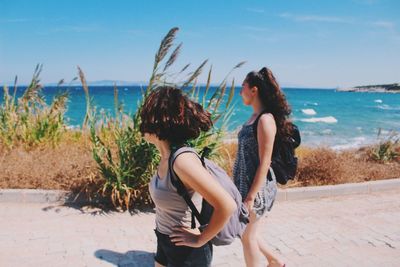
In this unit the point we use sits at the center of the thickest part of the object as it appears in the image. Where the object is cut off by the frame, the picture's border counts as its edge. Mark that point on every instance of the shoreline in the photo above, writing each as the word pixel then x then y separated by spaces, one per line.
pixel 337 148
pixel 381 88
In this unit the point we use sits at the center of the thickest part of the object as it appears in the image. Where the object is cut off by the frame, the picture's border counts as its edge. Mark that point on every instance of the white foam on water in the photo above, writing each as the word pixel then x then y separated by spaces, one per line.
pixel 387 107
pixel 326 132
pixel 329 119
pixel 309 111
pixel 384 106
pixel 378 101
pixel 307 133
pixel 311 104
pixel 73 127
pixel 382 131
pixel 353 143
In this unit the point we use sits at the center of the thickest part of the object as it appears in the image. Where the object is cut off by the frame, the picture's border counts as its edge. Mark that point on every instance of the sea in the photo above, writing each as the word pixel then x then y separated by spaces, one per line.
pixel 325 117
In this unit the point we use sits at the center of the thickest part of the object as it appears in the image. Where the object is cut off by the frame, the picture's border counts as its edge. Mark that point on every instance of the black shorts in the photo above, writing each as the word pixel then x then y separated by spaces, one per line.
pixel 181 256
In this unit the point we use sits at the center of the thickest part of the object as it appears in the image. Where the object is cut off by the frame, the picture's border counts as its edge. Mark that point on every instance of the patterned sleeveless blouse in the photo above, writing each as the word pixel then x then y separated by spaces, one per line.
pixel 245 168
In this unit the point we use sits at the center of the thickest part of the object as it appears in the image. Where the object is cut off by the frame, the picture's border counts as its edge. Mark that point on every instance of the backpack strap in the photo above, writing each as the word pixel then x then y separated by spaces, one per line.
pixel 181 189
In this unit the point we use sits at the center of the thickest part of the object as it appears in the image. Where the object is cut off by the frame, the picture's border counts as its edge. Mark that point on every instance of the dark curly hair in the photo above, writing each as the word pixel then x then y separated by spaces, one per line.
pixel 172 116
pixel 272 99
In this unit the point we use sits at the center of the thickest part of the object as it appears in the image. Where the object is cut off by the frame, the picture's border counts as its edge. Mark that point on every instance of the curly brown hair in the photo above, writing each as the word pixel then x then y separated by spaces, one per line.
pixel 172 116
pixel 272 98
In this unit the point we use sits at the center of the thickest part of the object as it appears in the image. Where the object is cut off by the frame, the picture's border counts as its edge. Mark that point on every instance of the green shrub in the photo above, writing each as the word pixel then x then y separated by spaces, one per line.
pixel 387 150
pixel 28 120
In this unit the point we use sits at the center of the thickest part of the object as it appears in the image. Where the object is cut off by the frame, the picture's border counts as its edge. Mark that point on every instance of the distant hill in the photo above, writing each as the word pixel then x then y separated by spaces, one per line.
pixel 382 88
pixel 101 83
pixel 78 83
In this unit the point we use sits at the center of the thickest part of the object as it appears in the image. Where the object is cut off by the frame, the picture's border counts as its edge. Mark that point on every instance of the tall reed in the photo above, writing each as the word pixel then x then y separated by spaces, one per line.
pixel 124 159
pixel 28 120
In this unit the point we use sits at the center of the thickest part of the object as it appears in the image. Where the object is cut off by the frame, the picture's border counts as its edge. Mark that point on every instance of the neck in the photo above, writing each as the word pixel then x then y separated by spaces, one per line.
pixel 164 149
pixel 257 106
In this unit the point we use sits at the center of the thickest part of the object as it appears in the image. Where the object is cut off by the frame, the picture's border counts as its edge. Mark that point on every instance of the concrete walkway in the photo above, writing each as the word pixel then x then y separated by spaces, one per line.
pixel 354 230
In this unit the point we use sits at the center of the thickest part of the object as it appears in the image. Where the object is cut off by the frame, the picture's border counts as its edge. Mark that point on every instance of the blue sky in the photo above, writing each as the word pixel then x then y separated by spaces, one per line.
pixel 305 43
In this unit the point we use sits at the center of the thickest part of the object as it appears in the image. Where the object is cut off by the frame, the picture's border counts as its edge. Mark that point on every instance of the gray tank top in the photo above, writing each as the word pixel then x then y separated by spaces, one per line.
pixel 171 208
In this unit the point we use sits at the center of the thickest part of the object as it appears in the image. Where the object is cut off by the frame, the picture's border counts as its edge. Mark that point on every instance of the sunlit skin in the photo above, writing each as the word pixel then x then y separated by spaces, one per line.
pixel 253 247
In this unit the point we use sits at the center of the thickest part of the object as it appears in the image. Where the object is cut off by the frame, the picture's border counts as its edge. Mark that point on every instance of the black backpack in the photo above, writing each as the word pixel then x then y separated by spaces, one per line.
pixel 284 160
pixel 236 225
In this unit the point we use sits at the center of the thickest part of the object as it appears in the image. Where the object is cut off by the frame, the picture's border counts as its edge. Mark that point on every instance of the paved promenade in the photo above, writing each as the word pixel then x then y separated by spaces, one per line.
pixel 355 230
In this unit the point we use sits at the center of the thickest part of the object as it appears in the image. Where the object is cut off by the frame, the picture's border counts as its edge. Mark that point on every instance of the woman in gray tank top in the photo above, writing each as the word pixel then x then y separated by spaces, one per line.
pixel 169 118
pixel 252 173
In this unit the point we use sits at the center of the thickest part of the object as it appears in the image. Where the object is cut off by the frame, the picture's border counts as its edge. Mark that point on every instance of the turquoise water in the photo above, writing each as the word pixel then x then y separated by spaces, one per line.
pixel 325 117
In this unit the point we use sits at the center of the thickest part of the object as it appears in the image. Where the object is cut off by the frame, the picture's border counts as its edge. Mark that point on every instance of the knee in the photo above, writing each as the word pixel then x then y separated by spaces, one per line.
pixel 247 239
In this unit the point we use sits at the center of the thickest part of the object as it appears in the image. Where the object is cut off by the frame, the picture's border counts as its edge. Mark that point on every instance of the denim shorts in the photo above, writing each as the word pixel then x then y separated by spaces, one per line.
pixel 181 256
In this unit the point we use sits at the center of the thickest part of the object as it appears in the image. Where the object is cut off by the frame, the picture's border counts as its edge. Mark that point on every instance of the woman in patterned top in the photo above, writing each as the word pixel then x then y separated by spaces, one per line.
pixel 252 173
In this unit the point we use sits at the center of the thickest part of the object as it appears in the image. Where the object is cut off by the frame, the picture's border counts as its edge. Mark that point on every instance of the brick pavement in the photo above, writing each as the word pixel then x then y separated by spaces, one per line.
pixel 355 230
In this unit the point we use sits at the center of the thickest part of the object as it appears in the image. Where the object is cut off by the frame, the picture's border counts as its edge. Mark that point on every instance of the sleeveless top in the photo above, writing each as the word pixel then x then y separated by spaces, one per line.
pixel 171 208
pixel 245 168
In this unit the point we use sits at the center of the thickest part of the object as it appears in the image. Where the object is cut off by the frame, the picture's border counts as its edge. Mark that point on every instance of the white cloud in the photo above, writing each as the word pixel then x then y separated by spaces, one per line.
pixel 384 24
pixel 389 27
pixel 316 18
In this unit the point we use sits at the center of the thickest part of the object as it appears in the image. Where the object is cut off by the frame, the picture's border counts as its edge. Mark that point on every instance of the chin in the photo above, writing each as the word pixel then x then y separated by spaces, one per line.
pixel 246 103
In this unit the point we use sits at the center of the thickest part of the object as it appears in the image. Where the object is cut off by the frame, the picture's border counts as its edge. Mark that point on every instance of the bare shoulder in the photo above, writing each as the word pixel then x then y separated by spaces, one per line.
pixel 185 162
pixel 267 120
pixel 192 173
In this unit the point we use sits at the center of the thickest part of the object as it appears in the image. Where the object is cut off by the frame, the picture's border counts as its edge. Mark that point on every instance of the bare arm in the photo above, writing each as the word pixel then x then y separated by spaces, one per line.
pixel 266 130
pixel 192 173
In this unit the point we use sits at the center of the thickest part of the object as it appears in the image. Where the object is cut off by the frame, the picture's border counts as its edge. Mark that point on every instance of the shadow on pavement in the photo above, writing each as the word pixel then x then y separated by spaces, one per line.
pixel 96 209
pixel 133 258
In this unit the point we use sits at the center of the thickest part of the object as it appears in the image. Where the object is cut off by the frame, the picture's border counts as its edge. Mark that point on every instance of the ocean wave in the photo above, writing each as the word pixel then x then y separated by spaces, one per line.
pixel 387 107
pixel 73 127
pixel 307 133
pixel 326 132
pixel 329 119
pixel 311 104
pixel 309 111
pixel 356 142
pixel 378 101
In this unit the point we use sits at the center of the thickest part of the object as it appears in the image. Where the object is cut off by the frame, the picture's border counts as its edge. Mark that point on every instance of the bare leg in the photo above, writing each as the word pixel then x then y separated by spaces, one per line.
pixel 254 247
pixel 251 250
pixel 272 260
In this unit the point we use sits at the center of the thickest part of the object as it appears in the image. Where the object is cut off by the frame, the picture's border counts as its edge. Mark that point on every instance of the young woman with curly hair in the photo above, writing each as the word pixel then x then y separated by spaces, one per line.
pixel 252 173
pixel 170 119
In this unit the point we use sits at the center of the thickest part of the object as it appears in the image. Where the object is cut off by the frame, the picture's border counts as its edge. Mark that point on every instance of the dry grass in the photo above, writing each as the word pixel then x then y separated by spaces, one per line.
pixel 227 153
pixel 70 166
pixel 66 166
pixel 323 166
